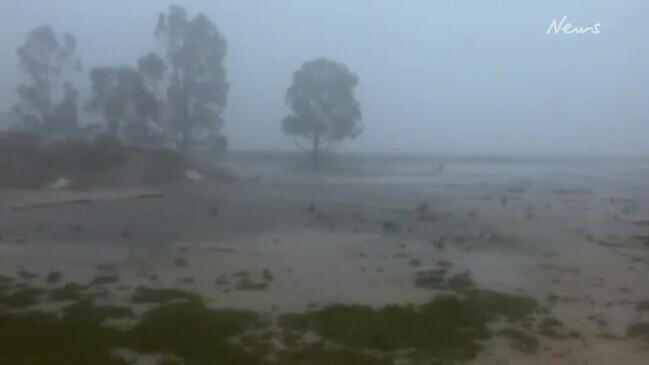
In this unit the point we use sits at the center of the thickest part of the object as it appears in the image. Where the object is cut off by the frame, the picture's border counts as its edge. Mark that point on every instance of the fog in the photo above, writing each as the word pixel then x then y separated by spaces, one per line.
pixel 435 76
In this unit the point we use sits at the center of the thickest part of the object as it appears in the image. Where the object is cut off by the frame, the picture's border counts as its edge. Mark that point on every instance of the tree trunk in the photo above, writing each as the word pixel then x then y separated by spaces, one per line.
pixel 113 127
pixel 185 127
pixel 316 150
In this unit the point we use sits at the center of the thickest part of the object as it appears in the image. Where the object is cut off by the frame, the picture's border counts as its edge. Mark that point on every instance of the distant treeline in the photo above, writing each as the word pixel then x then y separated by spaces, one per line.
pixel 172 100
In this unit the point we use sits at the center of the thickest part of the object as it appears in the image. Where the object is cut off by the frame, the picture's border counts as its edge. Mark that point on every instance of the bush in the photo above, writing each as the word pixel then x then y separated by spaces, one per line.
pixel 75 156
pixel 34 165
pixel 163 165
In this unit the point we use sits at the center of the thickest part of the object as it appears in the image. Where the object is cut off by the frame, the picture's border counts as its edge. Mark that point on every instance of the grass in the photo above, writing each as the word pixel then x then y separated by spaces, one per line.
pixel 27 275
pixel 5 281
pixel 194 333
pixel 430 279
pixel 642 306
pixel 145 294
pixel 22 297
pixel 317 354
pixel 447 327
pixel 512 307
pixel 105 279
pixel 520 340
pixel 180 262
pixel 460 282
pixel 390 227
pixel 246 283
pixel 640 329
pixel 437 279
pixel 54 277
pixel 189 331
pixel 86 312
pixel 221 280
pixel 450 328
pixel 267 275
pixel 552 327
pixel 70 291
pixel 38 338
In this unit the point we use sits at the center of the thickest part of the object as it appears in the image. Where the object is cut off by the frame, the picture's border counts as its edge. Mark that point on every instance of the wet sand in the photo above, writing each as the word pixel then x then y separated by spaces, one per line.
pixel 570 233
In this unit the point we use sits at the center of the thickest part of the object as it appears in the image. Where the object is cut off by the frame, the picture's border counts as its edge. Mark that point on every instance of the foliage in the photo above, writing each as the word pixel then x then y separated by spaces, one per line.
pixel 145 294
pixel 69 291
pixel 33 166
pixel 22 297
pixel 521 341
pixel 324 108
pixel 121 95
pixel 194 76
pixel 447 326
pixel 48 101
pixel 318 355
pixel 193 332
pixel 40 339
pixel 640 329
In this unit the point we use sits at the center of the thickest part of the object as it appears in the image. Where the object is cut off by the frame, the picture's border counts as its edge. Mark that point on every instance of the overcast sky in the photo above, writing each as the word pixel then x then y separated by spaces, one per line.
pixel 435 76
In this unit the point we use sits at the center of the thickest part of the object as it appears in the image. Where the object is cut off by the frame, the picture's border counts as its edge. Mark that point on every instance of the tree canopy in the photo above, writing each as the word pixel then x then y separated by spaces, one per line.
pixel 324 108
pixel 121 95
pixel 194 75
pixel 48 101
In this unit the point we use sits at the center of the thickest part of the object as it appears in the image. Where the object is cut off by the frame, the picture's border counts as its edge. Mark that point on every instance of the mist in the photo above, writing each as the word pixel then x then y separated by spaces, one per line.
pixel 324 182
pixel 435 77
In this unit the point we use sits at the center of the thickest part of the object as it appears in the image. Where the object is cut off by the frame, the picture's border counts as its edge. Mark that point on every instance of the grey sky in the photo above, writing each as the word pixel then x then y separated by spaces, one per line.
pixel 436 76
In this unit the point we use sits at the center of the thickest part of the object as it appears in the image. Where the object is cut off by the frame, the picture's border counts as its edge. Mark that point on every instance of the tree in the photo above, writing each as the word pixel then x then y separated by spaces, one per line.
pixel 324 109
pixel 48 102
pixel 121 95
pixel 193 75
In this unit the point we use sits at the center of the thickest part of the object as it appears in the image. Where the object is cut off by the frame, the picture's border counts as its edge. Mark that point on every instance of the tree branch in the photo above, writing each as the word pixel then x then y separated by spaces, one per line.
pixel 295 141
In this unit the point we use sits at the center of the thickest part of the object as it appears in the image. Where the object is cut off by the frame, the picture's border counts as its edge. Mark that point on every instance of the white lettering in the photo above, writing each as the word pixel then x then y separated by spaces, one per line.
pixel 562 26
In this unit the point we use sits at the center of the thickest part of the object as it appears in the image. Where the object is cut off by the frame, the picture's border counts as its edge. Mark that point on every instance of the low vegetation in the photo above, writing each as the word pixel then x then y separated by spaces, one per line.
pixel 68 292
pixel 105 279
pixel 33 166
pixel 20 297
pixel 640 329
pixel 450 328
pixel 521 340
pixel 643 306
pixel 145 294
pixel 193 332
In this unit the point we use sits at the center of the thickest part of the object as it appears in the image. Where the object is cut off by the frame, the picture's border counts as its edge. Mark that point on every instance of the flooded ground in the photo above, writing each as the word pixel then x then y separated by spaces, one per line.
pixel 572 234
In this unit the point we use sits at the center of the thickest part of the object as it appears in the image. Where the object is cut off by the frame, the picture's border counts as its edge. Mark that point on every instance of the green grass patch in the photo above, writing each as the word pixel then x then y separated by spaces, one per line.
pixel 448 327
pixel 319 355
pixel 105 279
pixel 520 340
pixel 22 297
pixel 86 312
pixel 54 277
pixel 431 279
pixel 68 292
pixel 193 332
pixel 145 294
pixel 247 284
pixel 640 329
pixel 38 338
pixel 642 306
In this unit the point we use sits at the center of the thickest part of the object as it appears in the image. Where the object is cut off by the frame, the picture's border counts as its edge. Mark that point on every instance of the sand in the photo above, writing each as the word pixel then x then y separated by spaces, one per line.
pixel 570 233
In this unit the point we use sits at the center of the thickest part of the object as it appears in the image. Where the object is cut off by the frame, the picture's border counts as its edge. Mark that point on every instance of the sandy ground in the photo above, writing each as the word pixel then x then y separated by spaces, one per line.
pixel 571 233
